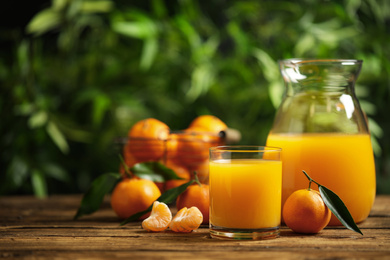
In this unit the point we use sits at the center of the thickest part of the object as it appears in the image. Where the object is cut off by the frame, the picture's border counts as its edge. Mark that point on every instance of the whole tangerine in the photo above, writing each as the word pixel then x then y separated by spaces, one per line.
pixel 196 196
pixel 305 212
pixel 133 195
pixel 147 139
pixel 149 128
pixel 208 123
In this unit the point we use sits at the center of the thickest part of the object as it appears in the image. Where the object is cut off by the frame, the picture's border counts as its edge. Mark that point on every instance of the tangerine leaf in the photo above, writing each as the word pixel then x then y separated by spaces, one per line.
pixel 170 195
pixel 154 171
pixel 94 196
pixel 338 208
pixel 167 197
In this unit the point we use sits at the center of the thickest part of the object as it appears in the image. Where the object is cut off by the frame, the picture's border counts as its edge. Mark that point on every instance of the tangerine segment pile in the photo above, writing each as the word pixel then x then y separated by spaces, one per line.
pixel 159 218
pixel 305 212
pixel 186 220
pixel 133 195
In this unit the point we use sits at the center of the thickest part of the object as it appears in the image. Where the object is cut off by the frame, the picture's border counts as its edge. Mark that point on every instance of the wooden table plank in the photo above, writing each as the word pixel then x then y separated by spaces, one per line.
pixel 32 228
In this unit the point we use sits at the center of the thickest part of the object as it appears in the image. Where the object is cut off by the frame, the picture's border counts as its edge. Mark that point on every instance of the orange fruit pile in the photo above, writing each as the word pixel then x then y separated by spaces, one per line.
pixel 305 212
pixel 185 151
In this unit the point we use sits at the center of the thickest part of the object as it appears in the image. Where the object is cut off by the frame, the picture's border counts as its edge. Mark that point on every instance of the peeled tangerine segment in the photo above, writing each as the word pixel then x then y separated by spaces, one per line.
pixel 186 220
pixel 159 218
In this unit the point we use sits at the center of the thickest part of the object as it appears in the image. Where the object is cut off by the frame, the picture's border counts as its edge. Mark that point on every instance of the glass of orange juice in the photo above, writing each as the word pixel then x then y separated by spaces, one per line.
pixel 245 192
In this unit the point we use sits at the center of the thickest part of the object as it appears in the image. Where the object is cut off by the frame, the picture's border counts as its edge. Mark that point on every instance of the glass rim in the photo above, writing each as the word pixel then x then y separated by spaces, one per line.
pixel 245 148
pixel 299 61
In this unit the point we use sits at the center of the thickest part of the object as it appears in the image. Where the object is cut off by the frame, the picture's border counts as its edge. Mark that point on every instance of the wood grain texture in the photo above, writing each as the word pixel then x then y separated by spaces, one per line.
pixel 44 229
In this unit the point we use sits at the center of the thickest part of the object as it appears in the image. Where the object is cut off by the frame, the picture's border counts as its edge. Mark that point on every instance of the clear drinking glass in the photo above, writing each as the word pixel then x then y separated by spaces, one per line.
pixel 321 128
pixel 245 192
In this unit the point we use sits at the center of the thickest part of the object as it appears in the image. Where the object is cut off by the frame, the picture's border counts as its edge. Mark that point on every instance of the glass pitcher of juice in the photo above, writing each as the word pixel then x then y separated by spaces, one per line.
pixel 321 129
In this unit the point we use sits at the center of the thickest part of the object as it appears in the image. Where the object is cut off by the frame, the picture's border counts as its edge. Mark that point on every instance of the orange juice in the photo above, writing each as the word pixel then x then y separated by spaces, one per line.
pixel 245 193
pixel 343 163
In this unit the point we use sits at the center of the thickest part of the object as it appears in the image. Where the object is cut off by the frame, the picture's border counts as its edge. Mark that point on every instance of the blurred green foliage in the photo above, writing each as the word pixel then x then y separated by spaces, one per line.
pixel 83 71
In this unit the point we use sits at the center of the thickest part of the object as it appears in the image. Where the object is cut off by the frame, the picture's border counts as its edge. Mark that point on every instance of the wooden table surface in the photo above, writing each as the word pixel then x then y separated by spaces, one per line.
pixel 31 228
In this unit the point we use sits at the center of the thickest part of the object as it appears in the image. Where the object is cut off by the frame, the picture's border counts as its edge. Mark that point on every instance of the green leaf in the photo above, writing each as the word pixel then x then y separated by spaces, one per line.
pixel 167 197
pixel 130 29
pixel 44 21
pixel 338 208
pixel 154 171
pixel 93 198
pixel 39 184
pixel 206 52
pixel 149 52
pixel 142 28
pixel 57 137
pixel 202 78
pixel 269 67
pixel 240 37
pixel 100 6
pixel 23 109
pixel 59 5
pixel 375 129
pixel 336 205
pixel 170 195
pixel 101 104
pixel 38 119
pixel 304 45
pixel 275 91
pixel 55 171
